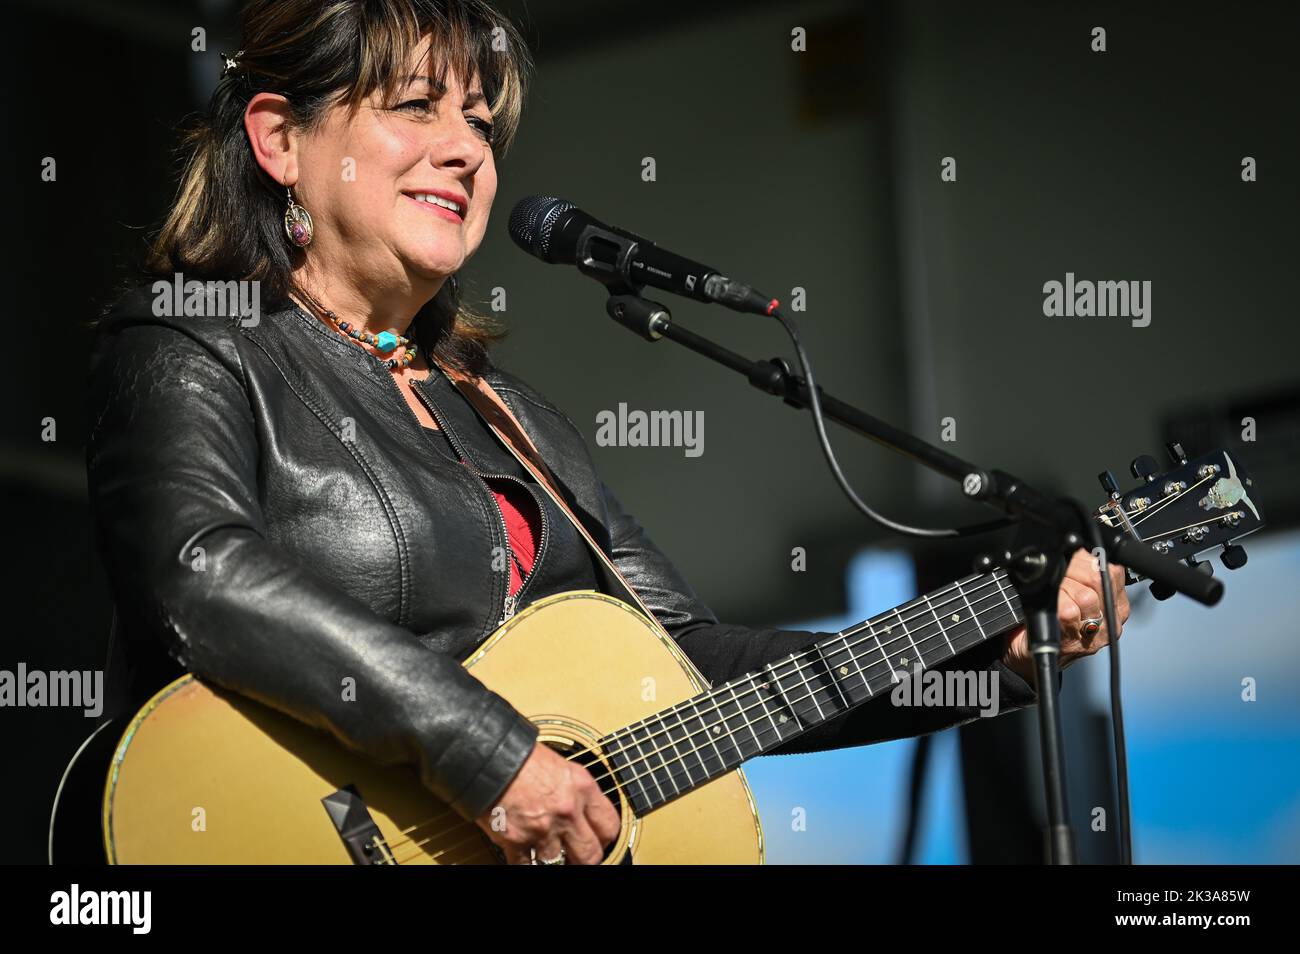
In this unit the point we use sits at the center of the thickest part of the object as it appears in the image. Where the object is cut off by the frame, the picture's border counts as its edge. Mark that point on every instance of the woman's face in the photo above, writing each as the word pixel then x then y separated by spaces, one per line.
pixel 367 181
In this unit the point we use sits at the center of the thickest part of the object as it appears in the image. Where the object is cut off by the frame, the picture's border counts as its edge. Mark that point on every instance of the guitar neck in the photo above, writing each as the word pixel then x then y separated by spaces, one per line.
pixel 677 750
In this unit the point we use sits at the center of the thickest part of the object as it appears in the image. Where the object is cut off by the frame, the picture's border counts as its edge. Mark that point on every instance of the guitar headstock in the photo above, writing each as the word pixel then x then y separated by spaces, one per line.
pixel 1193 507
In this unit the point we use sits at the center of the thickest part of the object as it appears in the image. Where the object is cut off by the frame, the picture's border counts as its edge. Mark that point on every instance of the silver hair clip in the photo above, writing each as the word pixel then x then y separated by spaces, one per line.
pixel 232 62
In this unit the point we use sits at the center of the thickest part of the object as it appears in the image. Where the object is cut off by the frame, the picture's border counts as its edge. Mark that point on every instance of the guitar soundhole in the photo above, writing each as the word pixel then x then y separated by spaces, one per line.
pixel 583 755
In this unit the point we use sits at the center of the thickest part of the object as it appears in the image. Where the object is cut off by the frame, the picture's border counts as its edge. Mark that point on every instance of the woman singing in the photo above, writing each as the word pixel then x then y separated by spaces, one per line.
pixel 311 490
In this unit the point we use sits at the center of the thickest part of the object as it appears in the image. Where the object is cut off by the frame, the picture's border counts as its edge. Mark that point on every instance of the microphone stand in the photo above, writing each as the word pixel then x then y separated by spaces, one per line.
pixel 1050 530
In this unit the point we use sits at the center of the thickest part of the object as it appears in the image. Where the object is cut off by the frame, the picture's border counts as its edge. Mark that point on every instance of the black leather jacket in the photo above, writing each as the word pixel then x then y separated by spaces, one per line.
pixel 274 518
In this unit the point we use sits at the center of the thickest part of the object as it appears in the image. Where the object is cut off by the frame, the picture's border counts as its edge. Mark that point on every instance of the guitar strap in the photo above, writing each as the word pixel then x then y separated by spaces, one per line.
pixel 498 416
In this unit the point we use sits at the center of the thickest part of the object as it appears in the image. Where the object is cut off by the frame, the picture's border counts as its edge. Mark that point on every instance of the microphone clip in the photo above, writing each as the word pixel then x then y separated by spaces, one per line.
pixel 649 319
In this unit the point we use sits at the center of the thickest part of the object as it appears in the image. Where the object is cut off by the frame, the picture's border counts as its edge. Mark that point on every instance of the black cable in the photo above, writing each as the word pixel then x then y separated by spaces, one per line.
pixel 1108 595
pixel 1099 550
pixel 1116 701
pixel 820 425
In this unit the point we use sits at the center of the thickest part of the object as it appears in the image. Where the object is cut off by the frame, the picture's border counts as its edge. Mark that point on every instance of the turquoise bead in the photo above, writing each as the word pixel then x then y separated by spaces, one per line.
pixel 386 341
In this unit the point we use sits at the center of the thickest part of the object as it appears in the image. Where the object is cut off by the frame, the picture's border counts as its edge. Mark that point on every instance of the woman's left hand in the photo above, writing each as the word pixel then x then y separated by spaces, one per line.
pixel 1080 600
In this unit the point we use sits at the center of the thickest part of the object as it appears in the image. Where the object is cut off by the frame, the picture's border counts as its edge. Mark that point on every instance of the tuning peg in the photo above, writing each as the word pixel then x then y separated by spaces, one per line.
pixel 1175 451
pixel 1109 483
pixel 1162 591
pixel 1205 566
pixel 1233 556
pixel 1144 467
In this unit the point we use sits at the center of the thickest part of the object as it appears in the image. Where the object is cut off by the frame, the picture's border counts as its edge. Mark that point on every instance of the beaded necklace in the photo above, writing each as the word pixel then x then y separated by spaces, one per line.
pixel 385 341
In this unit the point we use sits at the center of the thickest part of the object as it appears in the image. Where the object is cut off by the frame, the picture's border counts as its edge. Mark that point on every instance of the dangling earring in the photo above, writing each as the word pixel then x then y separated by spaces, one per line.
pixel 297 222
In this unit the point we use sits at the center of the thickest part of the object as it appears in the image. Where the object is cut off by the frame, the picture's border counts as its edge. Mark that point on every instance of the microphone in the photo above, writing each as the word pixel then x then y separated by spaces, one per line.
pixel 559 233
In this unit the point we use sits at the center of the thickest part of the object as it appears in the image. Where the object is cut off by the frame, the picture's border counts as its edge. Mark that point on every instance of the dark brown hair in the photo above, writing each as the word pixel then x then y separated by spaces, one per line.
pixel 227 219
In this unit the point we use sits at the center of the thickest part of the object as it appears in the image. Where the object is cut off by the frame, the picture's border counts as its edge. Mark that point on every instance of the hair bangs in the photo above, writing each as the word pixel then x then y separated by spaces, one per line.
pixel 401 39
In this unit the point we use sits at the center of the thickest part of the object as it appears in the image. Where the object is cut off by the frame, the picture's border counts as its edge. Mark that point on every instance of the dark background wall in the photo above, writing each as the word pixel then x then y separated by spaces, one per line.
pixel 818 170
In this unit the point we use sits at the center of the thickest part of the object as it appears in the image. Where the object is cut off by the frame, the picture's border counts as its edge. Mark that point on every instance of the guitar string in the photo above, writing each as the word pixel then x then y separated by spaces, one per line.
pixel 799 668
pixel 1156 508
pixel 994 575
pixel 764 729
pixel 713 694
pixel 916 639
pixel 802 666
pixel 473 834
pixel 749 724
pixel 993 580
pixel 868 625
pixel 996 579
pixel 411 855
pixel 413 847
pixel 878 681
pixel 1188 526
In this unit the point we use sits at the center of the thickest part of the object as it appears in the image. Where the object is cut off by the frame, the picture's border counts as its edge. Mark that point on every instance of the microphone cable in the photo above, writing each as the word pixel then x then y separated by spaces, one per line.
pixel 1116 702
pixel 815 404
pixel 1099 552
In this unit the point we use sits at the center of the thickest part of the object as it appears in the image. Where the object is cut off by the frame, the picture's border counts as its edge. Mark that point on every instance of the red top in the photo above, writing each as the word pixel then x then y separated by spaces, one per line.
pixel 523 527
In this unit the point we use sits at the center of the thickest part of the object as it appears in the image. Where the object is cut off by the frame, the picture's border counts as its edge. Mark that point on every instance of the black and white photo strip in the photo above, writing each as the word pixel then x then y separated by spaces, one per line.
pixel 760 438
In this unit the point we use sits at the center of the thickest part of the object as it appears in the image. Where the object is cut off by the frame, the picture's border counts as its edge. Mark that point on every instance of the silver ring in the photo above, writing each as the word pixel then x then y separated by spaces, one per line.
pixel 557 860
pixel 1091 627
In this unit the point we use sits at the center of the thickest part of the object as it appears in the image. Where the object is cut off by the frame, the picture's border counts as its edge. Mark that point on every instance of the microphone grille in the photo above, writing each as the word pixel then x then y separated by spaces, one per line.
pixel 532 220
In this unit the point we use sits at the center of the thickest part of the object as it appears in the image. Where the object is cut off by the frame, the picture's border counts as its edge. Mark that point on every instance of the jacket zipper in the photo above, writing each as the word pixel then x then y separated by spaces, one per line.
pixel 511 601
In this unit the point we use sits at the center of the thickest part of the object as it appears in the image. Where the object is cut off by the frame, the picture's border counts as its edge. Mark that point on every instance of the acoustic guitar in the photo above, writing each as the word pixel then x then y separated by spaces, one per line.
pixel 202 775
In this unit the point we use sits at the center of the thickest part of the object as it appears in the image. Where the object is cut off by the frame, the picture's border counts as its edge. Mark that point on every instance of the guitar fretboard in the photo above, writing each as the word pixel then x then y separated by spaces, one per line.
pixel 677 750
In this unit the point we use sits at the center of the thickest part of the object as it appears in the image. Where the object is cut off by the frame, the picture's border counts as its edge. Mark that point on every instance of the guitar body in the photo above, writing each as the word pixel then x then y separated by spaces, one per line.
pixel 203 776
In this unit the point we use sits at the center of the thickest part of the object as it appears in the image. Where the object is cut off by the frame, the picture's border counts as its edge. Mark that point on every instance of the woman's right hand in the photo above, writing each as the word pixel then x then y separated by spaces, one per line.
pixel 552 805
